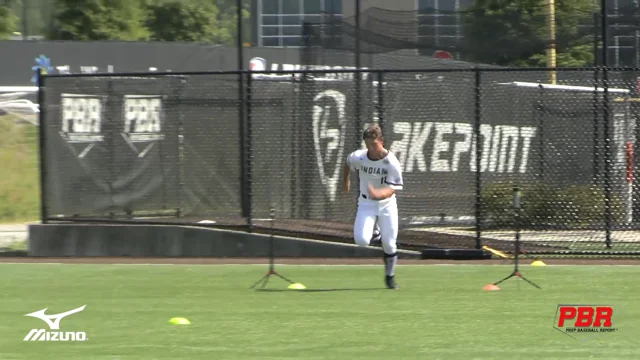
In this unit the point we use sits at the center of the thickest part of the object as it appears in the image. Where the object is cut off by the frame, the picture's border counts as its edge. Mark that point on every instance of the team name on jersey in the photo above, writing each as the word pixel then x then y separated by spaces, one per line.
pixel 373 170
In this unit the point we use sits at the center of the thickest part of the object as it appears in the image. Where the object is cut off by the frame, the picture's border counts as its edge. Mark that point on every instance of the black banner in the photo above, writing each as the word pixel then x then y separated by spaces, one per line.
pixel 209 107
pixel 111 145
pixel 157 144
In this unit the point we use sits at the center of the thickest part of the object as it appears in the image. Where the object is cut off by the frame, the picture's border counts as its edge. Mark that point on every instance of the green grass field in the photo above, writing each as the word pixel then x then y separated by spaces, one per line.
pixel 19 183
pixel 440 312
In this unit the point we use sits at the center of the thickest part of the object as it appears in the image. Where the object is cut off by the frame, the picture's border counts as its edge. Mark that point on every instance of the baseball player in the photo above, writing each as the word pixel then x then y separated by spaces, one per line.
pixel 380 177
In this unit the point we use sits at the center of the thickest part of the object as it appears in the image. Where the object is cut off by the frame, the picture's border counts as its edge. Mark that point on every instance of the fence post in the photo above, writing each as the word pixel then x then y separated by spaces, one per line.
pixel 358 74
pixel 111 110
pixel 42 140
pixel 539 110
pixel 248 155
pixel 357 47
pixel 380 105
pixel 607 140
pixel 246 213
pixel 478 159
pixel 180 134
pixel 607 159
pixel 596 130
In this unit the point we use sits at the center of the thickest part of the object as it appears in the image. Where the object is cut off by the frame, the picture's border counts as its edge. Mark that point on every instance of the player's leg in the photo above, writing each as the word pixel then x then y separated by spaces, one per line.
pixel 375 238
pixel 364 224
pixel 388 220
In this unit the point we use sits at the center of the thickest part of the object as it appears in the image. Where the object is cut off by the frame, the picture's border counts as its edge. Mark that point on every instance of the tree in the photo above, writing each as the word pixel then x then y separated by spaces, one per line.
pixel 98 20
pixel 515 32
pixel 213 21
pixel 228 20
pixel 8 22
pixel 182 21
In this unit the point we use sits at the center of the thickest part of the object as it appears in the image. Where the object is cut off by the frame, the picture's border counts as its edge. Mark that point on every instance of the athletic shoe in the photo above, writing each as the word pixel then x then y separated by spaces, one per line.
pixel 390 282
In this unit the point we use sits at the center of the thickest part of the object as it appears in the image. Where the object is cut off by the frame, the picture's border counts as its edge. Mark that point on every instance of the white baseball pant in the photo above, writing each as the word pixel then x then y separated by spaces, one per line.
pixel 387 214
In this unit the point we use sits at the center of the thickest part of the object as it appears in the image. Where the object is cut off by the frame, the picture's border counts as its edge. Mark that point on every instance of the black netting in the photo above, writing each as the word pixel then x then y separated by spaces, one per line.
pixel 428 122
pixel 273 114
pixel 302 131
pixel 500 34
pixel 111 145
pixel 172 146
pixel 211 164
pixel 575 184
pixel 126 147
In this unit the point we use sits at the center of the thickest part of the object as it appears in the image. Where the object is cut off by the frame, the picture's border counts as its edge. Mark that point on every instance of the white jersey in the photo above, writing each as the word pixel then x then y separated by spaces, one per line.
pixel 385 172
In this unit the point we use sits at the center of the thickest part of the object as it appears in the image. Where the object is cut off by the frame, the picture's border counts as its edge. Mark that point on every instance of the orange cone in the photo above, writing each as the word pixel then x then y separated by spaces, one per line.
pixel 491 287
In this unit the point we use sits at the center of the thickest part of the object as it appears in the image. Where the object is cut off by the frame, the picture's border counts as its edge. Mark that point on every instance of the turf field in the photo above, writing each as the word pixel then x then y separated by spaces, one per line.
pixel 440 312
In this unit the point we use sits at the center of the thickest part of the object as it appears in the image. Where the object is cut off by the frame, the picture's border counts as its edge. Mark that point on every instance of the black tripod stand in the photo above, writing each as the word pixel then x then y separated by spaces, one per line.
pixel 271 271
pixel 517 209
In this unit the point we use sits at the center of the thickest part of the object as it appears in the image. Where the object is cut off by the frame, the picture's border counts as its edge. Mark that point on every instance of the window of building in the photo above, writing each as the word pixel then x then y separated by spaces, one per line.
pixel 270 7
pixel 312 7
pixel 439 24
pixel 291 6
pixel 280 23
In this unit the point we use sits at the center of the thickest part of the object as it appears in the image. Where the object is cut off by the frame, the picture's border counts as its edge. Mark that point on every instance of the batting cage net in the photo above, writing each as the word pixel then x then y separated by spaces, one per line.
pixel 224 149
pixel 500 34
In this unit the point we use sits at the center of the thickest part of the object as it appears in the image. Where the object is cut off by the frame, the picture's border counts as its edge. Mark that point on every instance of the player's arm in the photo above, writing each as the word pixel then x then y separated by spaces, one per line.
pixel 346 171
pixel 346 177
pixel 393 181
pixel 382 193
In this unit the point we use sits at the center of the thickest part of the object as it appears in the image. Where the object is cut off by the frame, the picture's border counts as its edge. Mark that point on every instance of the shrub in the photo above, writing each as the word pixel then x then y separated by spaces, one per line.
pixel 543 205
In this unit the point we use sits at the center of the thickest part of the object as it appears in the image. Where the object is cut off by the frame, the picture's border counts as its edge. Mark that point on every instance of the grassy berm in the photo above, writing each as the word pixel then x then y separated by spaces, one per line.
pixel 19 184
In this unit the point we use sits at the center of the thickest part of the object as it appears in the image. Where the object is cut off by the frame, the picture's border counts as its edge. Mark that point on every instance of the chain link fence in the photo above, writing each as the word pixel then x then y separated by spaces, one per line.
pixel 224 149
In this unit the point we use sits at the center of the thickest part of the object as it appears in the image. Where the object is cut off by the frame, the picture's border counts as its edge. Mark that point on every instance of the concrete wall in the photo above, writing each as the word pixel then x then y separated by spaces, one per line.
pixel 78 240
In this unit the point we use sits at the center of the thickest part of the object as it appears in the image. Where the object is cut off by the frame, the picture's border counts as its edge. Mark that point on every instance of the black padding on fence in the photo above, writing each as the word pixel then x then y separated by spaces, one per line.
pixel 168 148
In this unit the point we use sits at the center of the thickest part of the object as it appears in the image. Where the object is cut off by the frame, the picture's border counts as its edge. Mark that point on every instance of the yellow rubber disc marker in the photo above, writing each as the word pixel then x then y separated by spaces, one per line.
pixel 297 286
pixel 179 321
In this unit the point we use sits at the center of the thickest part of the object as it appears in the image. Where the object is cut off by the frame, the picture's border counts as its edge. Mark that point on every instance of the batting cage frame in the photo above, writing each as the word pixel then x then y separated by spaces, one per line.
pixel 223 148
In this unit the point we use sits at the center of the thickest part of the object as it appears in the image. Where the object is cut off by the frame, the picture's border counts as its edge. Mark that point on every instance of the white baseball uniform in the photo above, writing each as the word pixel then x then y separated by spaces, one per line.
pixel 385 172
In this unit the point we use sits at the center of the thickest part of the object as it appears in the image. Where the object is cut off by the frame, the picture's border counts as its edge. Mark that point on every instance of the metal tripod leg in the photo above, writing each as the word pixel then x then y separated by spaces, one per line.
pixel 530 282
pixel 518 275
pixel 516 272
pixel 265 279
pixel 271 271
pixel 508 277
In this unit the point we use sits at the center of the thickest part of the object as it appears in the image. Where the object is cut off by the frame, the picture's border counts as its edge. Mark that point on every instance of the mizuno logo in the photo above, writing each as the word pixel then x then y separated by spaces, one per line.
pixel 55 324
pixel 53 321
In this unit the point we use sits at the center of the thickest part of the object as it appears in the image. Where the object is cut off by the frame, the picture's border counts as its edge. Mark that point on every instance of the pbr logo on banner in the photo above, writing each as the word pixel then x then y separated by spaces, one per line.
pixel 580 320
pixel 143 118
pixel 82 122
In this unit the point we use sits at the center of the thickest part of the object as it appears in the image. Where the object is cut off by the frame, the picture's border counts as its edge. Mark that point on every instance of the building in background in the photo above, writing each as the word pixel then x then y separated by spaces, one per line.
pixel 439 22
pixel 624 33
pixel 278 23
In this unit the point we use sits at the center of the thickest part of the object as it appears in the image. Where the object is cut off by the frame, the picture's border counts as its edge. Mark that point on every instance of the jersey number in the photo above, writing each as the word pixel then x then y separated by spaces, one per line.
pixel 383 180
